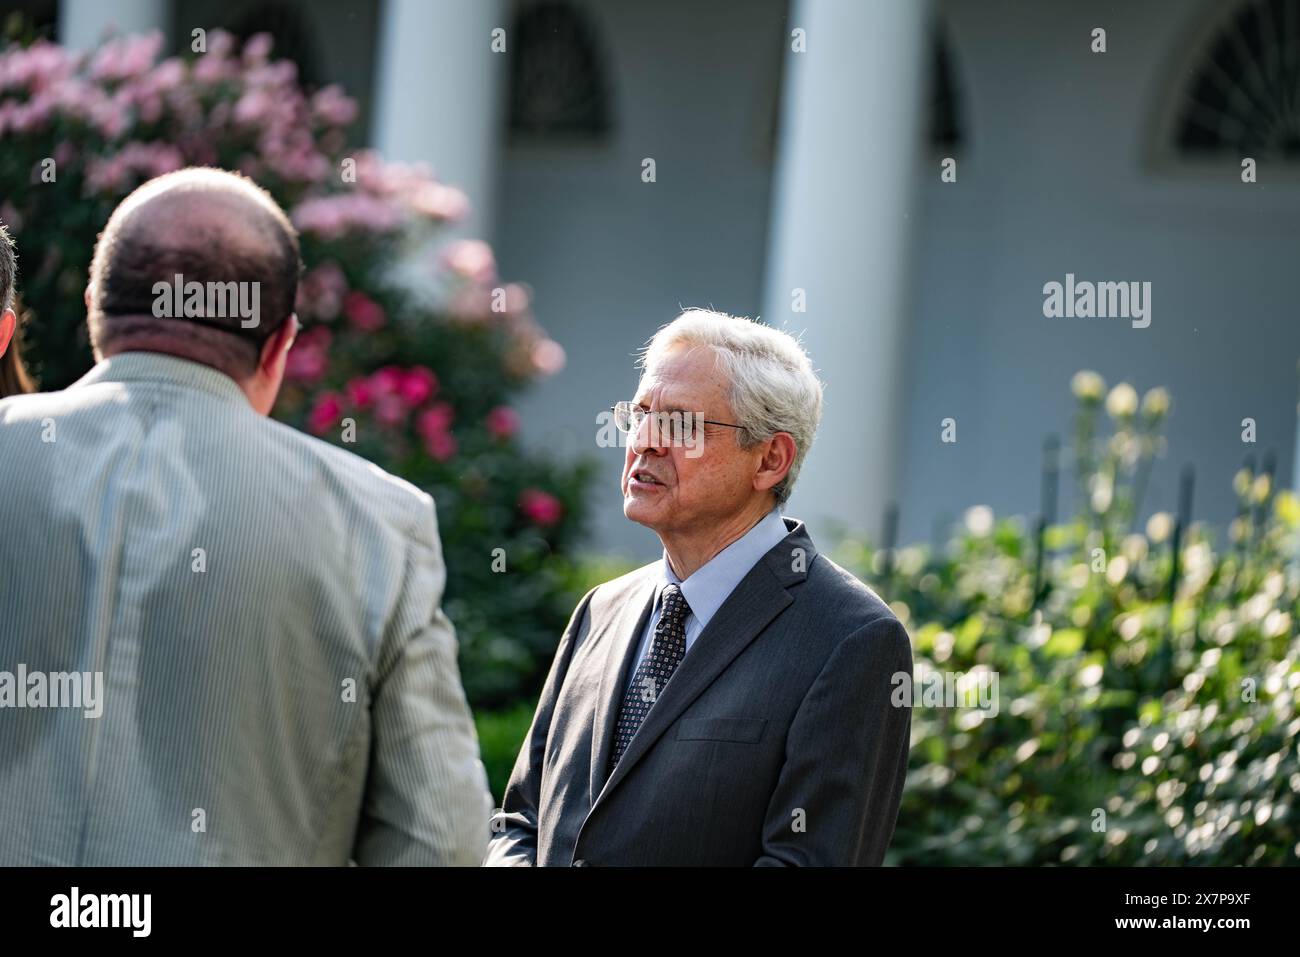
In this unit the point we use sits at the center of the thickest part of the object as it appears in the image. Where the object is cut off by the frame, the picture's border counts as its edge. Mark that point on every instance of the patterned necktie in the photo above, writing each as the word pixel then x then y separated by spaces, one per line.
pixel 666 651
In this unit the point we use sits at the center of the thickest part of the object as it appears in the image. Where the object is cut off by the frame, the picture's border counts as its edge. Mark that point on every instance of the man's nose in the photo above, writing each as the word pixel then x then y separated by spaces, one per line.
pixel 648 437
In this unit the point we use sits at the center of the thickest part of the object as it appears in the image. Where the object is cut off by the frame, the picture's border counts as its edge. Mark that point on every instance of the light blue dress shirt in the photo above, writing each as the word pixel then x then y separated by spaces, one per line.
pixel 713 583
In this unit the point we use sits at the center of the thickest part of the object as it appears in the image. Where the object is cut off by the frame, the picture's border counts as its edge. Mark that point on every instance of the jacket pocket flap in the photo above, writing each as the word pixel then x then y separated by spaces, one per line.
pixel 720 729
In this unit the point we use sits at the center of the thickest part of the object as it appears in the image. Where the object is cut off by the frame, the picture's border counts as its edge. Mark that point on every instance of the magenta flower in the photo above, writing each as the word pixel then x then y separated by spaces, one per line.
pixel 308 359
pixel 387 381
pixel 435 420
pixel 440 445
pixel 325 413
pixel 418 385
pixel 502 422
pixel 541 508
pixel 360 394
pixel 364 313
pixel 390 410
pixel 434 426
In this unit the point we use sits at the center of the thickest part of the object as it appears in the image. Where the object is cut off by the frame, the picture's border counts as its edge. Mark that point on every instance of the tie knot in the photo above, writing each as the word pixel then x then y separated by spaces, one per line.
pixel 675 607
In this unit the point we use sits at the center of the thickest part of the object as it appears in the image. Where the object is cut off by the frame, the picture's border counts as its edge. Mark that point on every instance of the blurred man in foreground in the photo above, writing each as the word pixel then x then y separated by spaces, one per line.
pixel 222 639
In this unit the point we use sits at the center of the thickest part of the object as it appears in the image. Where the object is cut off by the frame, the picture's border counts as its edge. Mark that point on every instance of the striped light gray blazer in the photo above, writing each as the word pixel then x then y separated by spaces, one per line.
pixel 280 685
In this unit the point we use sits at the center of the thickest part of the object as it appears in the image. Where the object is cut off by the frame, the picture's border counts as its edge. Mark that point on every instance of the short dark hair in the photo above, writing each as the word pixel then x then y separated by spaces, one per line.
pixel 8 269
pixel 248 239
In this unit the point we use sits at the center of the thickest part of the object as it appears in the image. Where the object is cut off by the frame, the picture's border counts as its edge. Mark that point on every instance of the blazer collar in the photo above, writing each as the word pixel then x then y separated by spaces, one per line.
pixel 761 596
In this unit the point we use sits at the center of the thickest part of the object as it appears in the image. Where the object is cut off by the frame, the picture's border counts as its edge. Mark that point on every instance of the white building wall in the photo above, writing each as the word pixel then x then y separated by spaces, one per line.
pixel 1057 179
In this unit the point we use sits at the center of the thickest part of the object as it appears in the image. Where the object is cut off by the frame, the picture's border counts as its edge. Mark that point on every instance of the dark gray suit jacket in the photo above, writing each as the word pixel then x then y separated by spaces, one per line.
pixel 774 743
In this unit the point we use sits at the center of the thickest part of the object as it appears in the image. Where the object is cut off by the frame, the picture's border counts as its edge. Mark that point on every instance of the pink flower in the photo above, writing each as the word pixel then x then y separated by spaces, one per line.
pixel 502 422
pixel 333 107
pixel 418 385
pixel 167 75
pixel 440 445
pixel 435 420
pixel 133 162
pixel 434 426
pixel 321 292
pixel 387 381
pixel 471 259
pixel 439 202
pixel 254 108
pixel 330 217
pixel 258 48
pixel 548 357
pixel 363 312
pixel 309 359
pixel 390 410
pixel 325 413
pixel 360 394
pixel 39 65
pixel 127 57
pixel 540 507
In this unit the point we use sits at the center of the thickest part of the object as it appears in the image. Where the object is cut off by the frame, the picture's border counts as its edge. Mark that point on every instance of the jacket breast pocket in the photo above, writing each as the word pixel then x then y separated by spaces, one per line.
pixel 743 730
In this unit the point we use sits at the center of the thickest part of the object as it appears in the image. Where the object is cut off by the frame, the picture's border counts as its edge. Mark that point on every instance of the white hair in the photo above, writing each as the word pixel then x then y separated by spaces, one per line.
pixel 773 388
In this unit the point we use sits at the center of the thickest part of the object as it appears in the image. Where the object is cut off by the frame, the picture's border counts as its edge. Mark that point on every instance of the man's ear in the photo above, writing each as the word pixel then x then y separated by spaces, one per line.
pixel 8 323
pixel 776 461
pixel 276 349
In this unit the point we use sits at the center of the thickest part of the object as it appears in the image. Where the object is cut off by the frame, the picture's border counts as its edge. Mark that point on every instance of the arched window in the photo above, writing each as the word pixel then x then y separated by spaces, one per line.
pixel 1241 96
pixel 559 87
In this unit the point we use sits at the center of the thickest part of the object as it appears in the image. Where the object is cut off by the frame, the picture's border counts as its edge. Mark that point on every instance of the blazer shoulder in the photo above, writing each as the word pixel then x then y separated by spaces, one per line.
pixel 851 602
pixel 362 483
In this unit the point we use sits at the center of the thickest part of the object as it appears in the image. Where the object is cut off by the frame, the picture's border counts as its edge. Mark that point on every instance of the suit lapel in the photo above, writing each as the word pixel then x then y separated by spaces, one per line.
pixel 623 636
pixel 761 596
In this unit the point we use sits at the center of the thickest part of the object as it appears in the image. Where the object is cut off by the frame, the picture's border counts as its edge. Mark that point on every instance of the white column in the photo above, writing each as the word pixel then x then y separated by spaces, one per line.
pixel 438 94
pixel 843 209
pixel 84 23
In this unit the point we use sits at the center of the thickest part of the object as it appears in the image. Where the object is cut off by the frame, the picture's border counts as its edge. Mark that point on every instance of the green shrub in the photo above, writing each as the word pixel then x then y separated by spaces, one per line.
pixel 1131 728
pixel 500 735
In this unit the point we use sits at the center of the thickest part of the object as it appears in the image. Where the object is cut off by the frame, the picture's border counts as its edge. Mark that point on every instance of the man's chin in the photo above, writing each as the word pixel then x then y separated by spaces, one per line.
pixel 638 512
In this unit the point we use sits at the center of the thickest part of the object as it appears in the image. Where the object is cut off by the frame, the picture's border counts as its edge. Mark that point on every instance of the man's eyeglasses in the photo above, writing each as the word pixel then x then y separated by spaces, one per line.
pixel 679 426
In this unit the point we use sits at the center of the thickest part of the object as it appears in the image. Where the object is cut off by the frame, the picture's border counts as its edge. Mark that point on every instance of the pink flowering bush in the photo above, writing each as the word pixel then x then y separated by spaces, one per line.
pixel 421 384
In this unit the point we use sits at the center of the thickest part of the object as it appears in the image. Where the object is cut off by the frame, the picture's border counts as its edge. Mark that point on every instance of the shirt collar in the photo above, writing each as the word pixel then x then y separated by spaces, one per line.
pixel 158 367
pixel 710 585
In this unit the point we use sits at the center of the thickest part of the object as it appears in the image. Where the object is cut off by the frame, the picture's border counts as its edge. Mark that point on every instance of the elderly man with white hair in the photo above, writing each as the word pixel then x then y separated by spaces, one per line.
pixel 730 704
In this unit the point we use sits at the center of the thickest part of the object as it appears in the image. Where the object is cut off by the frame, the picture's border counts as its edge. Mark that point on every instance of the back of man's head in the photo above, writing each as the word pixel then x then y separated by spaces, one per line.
pixel 199 263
